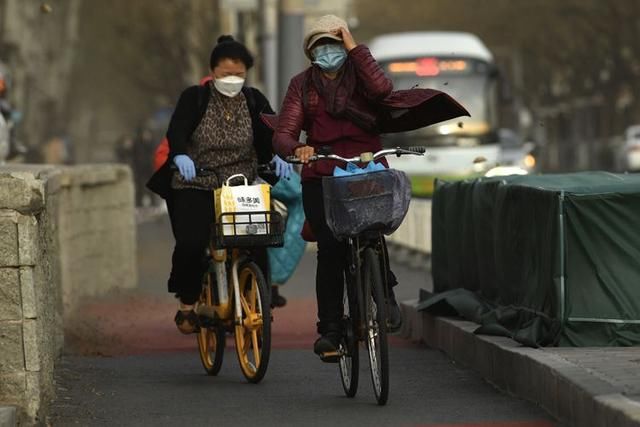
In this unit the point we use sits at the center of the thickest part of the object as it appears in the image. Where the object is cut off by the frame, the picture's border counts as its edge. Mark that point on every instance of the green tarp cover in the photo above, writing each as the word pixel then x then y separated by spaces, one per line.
pixel 555 256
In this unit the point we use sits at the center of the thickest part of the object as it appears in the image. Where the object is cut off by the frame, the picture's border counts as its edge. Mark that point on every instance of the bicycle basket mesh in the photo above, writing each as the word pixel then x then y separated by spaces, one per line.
pixel 249 229
pixel 370 201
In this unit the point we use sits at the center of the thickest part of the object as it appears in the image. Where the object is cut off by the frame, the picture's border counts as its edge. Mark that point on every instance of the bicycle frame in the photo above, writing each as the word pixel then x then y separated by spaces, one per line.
pixel 234 297
pixel 224 309
pixel 367 293
pixel 358 244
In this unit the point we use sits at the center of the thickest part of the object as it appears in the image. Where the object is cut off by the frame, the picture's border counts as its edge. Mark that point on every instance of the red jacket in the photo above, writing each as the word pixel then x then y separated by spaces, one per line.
pixel 375 86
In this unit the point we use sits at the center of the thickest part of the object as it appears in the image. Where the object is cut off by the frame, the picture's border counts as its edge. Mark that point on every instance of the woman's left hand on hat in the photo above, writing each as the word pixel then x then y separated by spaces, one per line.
pixel 347 38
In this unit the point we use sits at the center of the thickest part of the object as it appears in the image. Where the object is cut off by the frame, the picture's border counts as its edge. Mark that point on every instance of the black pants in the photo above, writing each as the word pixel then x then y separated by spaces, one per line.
pixel 332 260
pixel 192 214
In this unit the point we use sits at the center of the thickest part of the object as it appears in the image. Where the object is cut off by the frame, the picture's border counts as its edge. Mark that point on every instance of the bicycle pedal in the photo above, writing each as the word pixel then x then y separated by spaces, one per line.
pixel 394 333
pixel 330 356
pixel 207 322
pixel 206 311
pixel 394 330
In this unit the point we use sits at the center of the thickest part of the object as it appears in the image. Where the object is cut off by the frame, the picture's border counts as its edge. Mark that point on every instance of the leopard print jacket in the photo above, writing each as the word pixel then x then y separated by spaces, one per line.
pixel 222 142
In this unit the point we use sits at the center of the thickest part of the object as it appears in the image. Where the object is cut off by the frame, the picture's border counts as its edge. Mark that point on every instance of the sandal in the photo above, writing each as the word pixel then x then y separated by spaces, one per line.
pixel 187 321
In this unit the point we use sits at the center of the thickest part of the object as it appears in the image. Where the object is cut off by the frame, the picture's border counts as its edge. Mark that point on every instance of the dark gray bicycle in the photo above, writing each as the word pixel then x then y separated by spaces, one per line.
pixel 361 208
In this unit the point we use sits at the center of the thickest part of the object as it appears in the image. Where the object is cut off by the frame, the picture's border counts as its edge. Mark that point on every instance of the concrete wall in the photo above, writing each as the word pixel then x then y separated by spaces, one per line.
pixel 96 232
pixel 64 233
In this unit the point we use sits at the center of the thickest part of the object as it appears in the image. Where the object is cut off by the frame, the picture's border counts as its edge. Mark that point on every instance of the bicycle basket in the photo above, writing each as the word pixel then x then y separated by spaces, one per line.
pixel 249 229
pixel 370 201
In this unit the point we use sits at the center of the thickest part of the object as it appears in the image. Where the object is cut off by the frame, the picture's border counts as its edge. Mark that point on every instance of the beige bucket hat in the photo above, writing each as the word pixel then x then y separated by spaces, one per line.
pixel 321 29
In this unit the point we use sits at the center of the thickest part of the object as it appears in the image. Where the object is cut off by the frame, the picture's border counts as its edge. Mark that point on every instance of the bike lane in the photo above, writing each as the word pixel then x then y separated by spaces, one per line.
pixel 128 365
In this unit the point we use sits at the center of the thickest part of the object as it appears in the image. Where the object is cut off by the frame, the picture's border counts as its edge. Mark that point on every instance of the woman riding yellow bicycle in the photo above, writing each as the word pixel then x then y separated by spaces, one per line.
pixel 215 127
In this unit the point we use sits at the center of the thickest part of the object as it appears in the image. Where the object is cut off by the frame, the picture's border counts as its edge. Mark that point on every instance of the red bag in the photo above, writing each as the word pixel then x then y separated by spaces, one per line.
pixel 161 154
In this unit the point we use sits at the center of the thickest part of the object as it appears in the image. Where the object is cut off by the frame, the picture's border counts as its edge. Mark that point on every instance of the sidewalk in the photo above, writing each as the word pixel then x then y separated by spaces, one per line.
pixel 595 386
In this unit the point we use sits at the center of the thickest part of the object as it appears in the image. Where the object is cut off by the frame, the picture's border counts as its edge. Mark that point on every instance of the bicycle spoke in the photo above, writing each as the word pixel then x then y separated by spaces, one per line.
pixel 256 349
pixel 249 340
pixel 349 359
pixel 372 335
pixel 376 328
pixel 241 343
pixel 244 304
pixel 253 294
pixel 247 350
pixel 210 339
pixel 253 333
pixel 373 358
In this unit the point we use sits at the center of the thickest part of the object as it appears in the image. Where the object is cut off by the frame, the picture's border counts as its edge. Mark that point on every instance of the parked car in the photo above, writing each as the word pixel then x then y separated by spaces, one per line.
pixel 630 156
pixel 516 151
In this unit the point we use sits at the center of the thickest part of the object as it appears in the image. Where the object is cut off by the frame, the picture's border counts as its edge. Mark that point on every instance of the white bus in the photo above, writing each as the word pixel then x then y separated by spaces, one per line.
pixel 462 66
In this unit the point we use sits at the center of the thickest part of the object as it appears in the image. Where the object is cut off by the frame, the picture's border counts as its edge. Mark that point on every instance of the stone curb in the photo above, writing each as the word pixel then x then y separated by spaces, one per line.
pixel 7 416
pixel 568 392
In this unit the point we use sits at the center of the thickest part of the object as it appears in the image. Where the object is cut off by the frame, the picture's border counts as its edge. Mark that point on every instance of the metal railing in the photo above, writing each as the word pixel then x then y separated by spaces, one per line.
pixel 415 232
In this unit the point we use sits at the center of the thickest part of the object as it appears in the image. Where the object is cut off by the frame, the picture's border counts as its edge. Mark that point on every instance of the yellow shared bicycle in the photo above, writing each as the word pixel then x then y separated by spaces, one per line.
pixel 235 293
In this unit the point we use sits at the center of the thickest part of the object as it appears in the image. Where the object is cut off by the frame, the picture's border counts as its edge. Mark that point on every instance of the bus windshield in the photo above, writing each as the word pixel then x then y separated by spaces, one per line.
pixel 467 81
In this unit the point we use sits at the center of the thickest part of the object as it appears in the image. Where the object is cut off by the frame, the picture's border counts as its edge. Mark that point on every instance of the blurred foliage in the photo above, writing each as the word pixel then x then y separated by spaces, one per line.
pixel 567 49
pixel 134 56
pixel 131 57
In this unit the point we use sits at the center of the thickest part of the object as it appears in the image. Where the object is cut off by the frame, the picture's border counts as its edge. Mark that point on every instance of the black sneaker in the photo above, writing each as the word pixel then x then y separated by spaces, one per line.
pixel 394 314
pixel 327 346
pixel 277 300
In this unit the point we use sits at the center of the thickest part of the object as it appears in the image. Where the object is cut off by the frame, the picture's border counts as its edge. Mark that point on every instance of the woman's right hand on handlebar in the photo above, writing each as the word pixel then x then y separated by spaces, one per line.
pixel 304 153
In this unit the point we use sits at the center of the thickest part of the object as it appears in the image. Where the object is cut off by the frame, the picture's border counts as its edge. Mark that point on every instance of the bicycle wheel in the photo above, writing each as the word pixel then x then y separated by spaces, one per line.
pixel 349 362
pixel 211 339
pixel 376 321
pixel 253 336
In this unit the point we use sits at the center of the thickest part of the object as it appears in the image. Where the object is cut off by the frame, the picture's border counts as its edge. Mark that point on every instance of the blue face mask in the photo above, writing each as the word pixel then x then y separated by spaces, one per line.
pixel 329 57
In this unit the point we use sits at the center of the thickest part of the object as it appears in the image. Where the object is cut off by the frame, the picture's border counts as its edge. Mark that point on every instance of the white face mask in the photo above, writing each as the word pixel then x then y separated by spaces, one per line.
pixel 229 86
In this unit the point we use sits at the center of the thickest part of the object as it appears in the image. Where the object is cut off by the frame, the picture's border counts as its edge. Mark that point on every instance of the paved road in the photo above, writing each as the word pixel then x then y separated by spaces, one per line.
pixel 130 367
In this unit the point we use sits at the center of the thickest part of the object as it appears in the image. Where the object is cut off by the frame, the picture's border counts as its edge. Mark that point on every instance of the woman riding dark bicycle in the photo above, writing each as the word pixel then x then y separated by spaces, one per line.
pixel 344 101
pixel 215 127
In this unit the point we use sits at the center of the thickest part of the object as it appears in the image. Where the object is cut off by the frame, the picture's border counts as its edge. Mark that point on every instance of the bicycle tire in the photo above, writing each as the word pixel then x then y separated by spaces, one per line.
pixel 349 362
pixel 211 339
pixel 253 336
pixel 376 323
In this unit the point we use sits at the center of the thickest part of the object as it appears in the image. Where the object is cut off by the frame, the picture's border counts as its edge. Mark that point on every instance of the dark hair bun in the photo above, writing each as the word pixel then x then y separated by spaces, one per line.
pixel 228 47
pixel 225 38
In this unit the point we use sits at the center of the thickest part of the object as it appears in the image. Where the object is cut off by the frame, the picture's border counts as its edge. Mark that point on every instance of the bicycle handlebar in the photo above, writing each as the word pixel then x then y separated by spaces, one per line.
pixel 363 157
pixel 262 169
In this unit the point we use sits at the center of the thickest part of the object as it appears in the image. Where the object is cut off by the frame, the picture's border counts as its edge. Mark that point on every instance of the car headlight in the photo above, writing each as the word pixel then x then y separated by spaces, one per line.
pixel 505 170
pixel 529 161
